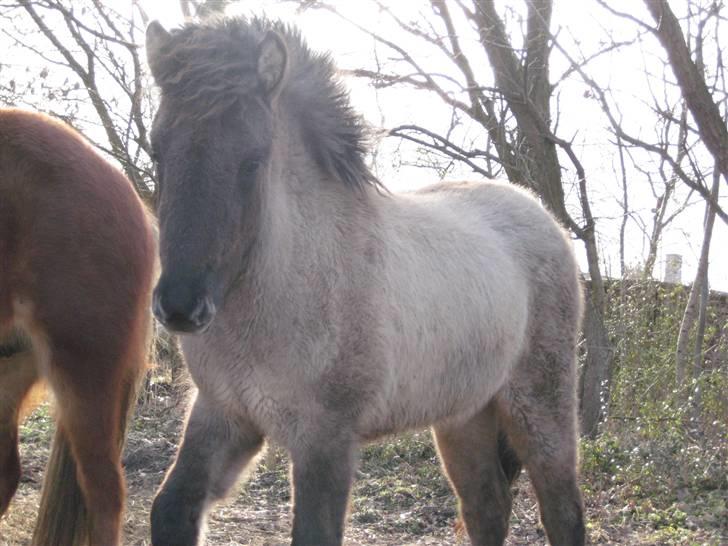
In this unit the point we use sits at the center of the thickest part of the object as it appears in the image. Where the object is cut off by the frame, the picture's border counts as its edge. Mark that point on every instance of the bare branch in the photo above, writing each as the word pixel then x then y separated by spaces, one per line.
pixel 624 15
pixel 705 111
pixel 613 46
pixel 443 145
pixel 619 131
pixel 482 107
pixel 99 54
pixel 68 15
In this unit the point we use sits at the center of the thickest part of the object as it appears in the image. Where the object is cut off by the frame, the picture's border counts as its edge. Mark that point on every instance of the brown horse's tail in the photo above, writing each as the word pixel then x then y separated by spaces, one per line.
pixel 62 516
pixel 509 461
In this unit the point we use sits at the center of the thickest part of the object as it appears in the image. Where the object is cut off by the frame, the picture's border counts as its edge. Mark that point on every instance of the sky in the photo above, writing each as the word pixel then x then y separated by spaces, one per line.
pixel 574 22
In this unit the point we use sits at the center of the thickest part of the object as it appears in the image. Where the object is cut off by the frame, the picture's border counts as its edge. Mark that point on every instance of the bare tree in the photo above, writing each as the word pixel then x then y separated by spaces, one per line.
pixel 690 75
pixel 90 51
pixel 705 134
pixel 686 53
pixel 691 78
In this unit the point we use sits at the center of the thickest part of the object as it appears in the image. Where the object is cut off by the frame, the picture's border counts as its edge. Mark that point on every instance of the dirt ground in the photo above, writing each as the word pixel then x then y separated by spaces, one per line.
pixel 400 497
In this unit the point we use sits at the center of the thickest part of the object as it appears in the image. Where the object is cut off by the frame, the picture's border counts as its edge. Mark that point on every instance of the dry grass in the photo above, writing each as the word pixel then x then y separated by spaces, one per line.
pixel 400 497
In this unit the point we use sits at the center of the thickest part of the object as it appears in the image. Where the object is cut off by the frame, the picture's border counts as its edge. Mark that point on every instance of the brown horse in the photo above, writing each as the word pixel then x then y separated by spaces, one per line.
pixel 76 266
pixel 322 312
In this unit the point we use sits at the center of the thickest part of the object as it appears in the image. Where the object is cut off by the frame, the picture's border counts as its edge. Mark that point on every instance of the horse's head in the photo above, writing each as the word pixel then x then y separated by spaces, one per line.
pixel 211 140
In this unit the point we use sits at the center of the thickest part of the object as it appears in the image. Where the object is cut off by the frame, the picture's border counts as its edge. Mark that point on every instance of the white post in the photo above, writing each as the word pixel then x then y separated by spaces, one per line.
pixel 673 268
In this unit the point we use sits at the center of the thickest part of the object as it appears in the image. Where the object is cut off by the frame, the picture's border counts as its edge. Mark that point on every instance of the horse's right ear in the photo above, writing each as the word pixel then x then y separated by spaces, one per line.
pixel 157 38
pixel 272 63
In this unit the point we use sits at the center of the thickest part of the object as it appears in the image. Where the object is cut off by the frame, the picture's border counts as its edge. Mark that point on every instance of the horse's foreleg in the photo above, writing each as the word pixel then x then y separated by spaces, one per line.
pixel 469 453
pixel 18 374
pixel 213 453
pixel 322 476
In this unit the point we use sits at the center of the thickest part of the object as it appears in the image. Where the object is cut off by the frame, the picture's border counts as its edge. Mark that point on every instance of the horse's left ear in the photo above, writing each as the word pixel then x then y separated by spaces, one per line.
pixel 272 63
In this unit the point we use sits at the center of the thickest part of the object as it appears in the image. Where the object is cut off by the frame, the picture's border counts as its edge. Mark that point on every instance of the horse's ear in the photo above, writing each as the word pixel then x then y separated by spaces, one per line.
pixel 157 38
pixel 272 63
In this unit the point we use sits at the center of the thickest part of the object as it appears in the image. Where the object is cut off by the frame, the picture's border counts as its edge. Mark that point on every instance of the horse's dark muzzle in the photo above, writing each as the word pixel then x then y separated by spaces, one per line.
pixel 181 309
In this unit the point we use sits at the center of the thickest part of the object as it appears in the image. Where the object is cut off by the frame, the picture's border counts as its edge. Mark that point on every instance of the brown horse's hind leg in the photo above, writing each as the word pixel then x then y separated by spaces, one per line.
pixel 469 453
pixel 90 392
pixel 540 419
pixel 18 374
pixel 214 452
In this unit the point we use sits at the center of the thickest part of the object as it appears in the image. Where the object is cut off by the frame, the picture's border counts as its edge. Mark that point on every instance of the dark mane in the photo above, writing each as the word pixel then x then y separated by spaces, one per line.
pixel 212 66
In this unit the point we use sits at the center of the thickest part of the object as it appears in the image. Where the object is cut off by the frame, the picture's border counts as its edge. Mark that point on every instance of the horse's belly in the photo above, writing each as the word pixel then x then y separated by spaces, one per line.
pixel 451 368
pixel 417 399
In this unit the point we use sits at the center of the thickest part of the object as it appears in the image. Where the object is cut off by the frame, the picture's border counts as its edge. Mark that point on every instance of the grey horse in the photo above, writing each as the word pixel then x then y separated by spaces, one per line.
pixel 321 311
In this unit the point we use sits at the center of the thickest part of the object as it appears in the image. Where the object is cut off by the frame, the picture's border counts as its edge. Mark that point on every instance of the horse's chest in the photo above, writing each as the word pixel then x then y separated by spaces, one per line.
pixel 271 398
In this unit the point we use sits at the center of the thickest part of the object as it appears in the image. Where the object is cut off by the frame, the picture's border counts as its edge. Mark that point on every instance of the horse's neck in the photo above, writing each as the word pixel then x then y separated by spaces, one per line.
pixel 305 216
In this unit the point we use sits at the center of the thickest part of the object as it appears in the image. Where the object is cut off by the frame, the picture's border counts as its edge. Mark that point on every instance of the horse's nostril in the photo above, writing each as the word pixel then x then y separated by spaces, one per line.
pixel 186 315
pixel 204 311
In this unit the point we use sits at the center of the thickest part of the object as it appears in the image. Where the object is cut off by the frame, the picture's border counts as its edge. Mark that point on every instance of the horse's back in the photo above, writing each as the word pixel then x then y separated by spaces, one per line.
pixel 538 246
pixel 509 211
pixel 75 240
pixel 496 227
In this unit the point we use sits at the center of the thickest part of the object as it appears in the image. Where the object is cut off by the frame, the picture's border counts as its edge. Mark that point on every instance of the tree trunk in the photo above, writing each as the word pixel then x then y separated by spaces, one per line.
pixel 526 89
pixel 698 353
pixel 699 284
pixel 704 298
pixel 596 371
